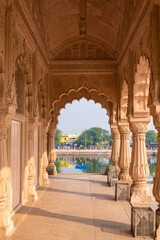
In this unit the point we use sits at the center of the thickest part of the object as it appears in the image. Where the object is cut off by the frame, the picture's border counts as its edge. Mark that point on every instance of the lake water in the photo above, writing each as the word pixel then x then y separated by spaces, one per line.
pixel 79 165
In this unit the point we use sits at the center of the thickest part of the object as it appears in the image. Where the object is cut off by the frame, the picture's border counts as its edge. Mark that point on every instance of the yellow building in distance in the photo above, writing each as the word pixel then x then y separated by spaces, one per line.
pixel 69 138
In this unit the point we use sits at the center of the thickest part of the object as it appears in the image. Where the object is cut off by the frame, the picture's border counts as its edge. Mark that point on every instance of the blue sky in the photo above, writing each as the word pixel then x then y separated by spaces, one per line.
pixel 83 114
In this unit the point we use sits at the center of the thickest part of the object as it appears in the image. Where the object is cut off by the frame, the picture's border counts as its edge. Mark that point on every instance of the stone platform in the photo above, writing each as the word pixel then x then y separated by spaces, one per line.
pixel 74 207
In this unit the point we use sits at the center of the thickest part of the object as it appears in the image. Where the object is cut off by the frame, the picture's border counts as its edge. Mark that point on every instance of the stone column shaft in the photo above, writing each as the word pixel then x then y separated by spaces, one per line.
pixel 44 162
pixel 139 169
pixel 6 224
pixel 156 185
pixel 125 154
pixel 32 194
pixel 115 146
pixel 52 154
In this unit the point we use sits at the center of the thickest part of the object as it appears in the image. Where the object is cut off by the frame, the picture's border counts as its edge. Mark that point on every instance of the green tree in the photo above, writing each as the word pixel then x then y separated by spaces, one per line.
pixel 58 136
pixel 94 136
pixel 151 136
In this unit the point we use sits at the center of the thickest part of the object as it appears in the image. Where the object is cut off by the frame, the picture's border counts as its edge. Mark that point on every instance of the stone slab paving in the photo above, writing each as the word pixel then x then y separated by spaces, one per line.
pixel 74 207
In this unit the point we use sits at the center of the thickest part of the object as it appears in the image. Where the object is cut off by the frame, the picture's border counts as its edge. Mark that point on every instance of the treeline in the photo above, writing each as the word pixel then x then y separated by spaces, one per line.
pixel 98 136
pixel 94 136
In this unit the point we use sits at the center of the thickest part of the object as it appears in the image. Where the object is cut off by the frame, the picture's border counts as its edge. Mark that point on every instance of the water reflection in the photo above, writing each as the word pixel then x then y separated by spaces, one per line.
pixel 78 164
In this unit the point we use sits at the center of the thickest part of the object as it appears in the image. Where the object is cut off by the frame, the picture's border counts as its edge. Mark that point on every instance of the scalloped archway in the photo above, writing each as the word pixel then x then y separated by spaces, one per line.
pixel 77 94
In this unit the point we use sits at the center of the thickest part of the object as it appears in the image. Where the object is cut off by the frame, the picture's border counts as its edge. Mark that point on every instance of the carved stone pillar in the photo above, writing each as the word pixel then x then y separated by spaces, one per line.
pixel 52 154
pixel 156 185
pixel 44 162
pixel 115 146
pixel 139 170
pixel 32 194
pixel 125 153
pixel 6 224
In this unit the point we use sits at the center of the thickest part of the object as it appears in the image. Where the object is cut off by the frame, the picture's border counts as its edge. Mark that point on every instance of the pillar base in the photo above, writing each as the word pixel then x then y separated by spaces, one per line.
pixel 51 169
pixel 6 224
pixel 32 193
pixel 124 177
pixel 116 168
pixel 44 179
pixel 140 193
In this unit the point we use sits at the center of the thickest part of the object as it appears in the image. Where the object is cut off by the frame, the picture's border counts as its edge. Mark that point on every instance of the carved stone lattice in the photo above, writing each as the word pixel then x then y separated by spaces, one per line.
pixel 83 49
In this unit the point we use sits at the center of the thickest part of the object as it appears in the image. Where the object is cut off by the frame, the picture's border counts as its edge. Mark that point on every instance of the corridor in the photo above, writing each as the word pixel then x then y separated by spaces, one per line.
pixel 74 207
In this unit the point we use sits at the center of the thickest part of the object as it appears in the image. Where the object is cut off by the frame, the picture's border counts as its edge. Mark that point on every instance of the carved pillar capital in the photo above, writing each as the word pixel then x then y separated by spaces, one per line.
pixel 5 121
pixel 139 127
pixel 124 128
pixel 115 131
pixel 156 120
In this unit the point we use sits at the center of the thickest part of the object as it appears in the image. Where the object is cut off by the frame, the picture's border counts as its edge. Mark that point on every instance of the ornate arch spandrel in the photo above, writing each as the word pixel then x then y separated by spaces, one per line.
pixel 123 101
pixel 141 88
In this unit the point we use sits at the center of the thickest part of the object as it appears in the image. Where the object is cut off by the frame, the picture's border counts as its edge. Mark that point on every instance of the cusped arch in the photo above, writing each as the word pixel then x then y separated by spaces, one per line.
pixel 77 94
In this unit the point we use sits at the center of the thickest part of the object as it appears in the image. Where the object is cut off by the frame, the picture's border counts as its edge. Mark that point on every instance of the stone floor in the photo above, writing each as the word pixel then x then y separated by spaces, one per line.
pixel 74 207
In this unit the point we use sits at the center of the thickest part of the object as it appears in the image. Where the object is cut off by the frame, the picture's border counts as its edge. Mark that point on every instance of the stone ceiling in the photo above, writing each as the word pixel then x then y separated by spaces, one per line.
pixel 69 20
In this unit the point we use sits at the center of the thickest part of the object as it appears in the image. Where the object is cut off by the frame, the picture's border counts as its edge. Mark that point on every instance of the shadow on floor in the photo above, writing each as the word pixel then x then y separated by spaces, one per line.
pixel 95 195
pixel 105 225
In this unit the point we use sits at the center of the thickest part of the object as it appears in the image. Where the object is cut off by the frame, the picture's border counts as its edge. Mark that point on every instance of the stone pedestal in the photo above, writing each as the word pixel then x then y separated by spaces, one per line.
pixel 113 182
pixel 107 168
pixel 122 191
pixel 139 169
pixel 125 153
pixel 111 174
pixel 142 221
pixel 115 146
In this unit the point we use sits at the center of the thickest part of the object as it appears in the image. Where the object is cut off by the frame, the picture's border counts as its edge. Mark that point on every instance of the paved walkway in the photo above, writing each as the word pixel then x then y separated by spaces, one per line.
pixel 74 207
